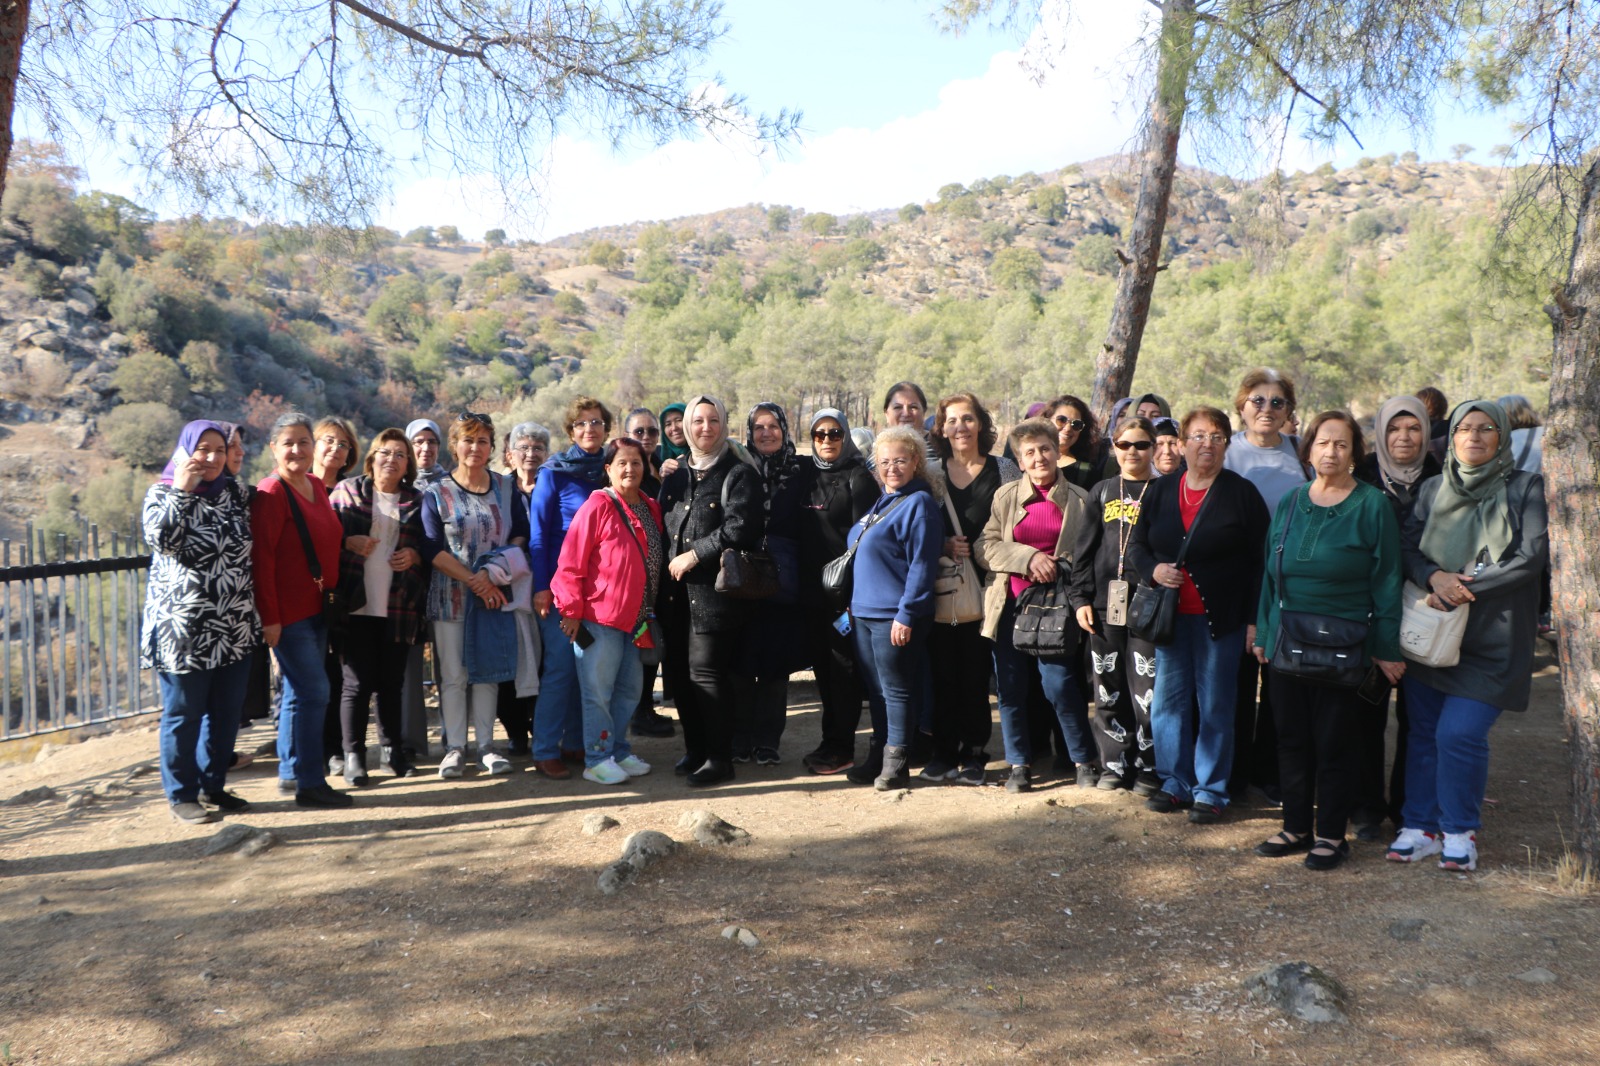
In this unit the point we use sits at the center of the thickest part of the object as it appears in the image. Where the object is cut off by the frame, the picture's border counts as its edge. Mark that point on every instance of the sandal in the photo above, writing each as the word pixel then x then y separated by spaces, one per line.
pixel 1327 854
pixel 1284 843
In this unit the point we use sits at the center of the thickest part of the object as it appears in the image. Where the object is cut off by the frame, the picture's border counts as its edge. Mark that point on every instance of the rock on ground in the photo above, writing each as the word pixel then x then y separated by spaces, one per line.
pixel 595 823
pixel 1408 929
pixel 1302 991
pixel 640 850
pixel 709 829
pixel 243 840
pixel 32 795
pixel 1537 976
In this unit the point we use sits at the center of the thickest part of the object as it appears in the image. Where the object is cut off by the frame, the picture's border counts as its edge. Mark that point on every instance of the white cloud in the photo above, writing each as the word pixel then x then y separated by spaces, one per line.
pixel 1001 122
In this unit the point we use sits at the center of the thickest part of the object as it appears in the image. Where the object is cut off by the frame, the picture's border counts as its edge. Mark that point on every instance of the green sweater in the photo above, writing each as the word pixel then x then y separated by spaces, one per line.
pixel 1342 561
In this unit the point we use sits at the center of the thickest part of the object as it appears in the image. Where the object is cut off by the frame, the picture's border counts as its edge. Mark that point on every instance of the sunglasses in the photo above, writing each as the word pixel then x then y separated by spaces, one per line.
pixel 827 434
pixel 1136 445
pixel 473 416
pixel 1277 403
pixel 646 431
pixel 1070 423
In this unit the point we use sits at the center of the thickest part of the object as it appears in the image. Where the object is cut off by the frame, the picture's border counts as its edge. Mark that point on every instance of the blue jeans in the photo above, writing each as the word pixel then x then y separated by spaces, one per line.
pixel 1195 764
pixel 302 652
pixel 609 678
pixel 558 716
pixel 1060 680
pixel 199 722
pixel 1447 760
pixel 895 679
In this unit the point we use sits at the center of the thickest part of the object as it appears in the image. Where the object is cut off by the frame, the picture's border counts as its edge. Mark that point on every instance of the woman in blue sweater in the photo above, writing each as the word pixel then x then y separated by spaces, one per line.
pixel 565 482
pixel 891 605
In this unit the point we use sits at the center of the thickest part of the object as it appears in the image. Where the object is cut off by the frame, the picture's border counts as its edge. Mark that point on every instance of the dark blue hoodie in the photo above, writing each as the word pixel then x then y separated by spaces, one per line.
pixel 898 559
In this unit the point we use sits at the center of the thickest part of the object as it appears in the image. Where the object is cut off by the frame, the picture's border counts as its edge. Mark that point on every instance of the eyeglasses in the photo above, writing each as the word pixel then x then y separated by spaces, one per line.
pixel 894 464
pixel 1206 438
pixel 1477 431
pixel 473 416
pixel 389 455
pixel 1136 445
pixel 1277 403
pixel 645 431
pixel 827 434
pixel 1075 424
pixel 338 444
pixel 589 423
pixel 528 449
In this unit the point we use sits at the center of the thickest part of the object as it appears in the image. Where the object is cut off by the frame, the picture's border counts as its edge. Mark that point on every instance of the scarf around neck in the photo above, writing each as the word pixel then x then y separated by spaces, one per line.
pixel 1471 513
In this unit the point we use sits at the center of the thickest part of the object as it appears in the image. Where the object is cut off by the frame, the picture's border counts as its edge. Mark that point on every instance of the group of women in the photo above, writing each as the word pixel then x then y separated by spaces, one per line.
pixel 1221 608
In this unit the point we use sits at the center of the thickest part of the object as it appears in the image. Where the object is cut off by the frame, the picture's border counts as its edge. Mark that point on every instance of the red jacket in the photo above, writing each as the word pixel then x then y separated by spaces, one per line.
pixel 600 576
pixel 285 593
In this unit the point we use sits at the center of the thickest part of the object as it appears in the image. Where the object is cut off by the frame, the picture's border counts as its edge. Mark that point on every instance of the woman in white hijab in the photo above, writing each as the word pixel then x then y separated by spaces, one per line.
pixel 711 503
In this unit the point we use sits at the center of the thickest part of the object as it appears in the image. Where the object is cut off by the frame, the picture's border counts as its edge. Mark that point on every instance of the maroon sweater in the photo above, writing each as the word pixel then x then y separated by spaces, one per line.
pixel 285 593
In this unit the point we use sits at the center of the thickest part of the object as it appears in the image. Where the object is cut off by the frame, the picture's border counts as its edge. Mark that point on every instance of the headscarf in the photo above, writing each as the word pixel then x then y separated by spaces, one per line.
pixel 667 449
pixel 780 465
pixel 417 425
pixel 700 460
pixel 1150 397
pixel 1166 427
pixel 1470 511
pixel 583 467
pixel 1118 409
pixel 1034 409
pixel 1401 480
pixel 848 447
pixel 230 432
pixel 187 441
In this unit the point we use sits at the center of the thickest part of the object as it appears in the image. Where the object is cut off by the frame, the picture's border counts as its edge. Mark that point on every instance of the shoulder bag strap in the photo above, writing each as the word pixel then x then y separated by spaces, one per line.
pixel 868 522
pixel 622 513
pixel 1283 540
pixel 1183 549
pixel 312 562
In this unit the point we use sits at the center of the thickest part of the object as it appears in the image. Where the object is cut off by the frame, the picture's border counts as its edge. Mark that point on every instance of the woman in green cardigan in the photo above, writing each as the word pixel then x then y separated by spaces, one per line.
pixel 1339 556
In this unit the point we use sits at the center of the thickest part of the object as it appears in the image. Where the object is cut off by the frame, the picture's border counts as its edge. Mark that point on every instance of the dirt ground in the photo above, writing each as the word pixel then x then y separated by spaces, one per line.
pixel 459 922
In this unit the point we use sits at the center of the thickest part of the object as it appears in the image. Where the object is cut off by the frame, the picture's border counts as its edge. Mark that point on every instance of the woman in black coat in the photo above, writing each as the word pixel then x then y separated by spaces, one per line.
pixel 839 490
pixel 710 503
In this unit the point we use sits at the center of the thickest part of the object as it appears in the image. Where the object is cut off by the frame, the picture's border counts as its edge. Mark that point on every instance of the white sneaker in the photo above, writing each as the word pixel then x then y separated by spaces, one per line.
pixel 495 763
pixel 606 773
pixel 450 765
pixel 633 766
pixel 1413 845
pixel 1460 852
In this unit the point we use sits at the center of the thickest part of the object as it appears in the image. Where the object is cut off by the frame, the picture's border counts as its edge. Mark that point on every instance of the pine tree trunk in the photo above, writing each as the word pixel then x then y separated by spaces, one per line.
pixel 13 28
pixel 1113 372
pixel 1572 487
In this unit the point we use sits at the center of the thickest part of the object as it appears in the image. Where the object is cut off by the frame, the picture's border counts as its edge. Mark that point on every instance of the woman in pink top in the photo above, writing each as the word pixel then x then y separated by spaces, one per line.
pixel 606 580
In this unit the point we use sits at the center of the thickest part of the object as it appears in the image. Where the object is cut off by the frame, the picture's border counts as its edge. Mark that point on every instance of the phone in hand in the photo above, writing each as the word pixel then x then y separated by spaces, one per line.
pixel 1374 688
pixel 843 624
pixel 584 638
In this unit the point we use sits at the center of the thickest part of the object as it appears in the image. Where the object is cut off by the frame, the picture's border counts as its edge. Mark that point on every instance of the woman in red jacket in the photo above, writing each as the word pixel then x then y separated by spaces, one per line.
pixel 605 581
pixel 289 580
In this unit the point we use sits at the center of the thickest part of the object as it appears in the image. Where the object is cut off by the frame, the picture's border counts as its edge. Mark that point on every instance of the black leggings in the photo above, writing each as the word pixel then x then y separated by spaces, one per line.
pixel 962 662
pixel 833 659
pixel 374 665
pixel 1124 680
pixel 702 668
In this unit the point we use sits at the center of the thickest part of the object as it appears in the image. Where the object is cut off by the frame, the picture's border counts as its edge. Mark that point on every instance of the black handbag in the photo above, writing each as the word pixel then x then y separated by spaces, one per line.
pixel 654 648
pixel 1153 609
pixel 743 574
pixel 1317 647
pixel 335 605
pixel 1045 625
pixel 838 578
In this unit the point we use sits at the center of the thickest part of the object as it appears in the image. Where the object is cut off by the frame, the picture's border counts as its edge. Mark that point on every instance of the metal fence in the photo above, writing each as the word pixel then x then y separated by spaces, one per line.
pixel 70 623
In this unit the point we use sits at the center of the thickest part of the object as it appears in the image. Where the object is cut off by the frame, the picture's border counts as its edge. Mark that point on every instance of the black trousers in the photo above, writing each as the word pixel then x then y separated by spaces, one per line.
pixel 258 701
pixel 332 729
pixel 703 671
pixel 373 665
pixel 962 662
pixel 1124 679
pixel 1255 739
pixel 1375 805
pixel 516 715
pixel 1320 745
pixel 833 659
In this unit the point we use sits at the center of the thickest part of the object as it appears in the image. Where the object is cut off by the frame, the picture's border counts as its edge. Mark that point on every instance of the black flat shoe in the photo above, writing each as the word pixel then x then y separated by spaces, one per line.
pixel 321 796
pixel 714 772
pixel 688 764
pixel 1325 855
pixel 227 801
pixel 1277 847
pixel 1164 802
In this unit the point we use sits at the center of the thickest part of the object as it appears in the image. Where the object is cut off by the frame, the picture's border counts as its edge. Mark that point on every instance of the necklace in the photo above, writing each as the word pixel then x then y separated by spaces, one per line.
pixel 1124 527
pixel 1184 496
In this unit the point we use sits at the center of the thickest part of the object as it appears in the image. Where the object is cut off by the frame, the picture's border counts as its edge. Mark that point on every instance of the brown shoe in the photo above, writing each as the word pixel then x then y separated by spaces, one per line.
pixel 554 769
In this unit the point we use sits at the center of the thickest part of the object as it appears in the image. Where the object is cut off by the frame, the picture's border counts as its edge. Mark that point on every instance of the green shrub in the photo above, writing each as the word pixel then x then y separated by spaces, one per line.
pixel 113 500
pixel 40 277
pixel 142 433
pixel 150 377
pixel 569 304
pixel 1097 253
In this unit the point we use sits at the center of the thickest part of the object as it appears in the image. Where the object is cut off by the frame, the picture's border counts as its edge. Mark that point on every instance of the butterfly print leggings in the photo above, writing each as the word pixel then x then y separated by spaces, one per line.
pixel 1123 679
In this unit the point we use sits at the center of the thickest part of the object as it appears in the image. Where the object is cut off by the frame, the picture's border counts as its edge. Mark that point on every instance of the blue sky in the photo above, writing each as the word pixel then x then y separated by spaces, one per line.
pixel 893 109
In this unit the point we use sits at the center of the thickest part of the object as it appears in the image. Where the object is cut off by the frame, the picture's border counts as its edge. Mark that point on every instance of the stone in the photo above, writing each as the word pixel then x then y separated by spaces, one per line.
pixel 87 961
pixel 49 341
pixel 647 847
pixel 1408 929
pixel 32 795
pixel 248 840
pixel 79 800
pixel 1537 976
pixel 595 823
pixel 618 875
pixel 115 342
pixel 112 790
pixel 81 308
pixel 709 829
pixel 62 915
pixel 1302 991
pixel 742 935
pixel 143 769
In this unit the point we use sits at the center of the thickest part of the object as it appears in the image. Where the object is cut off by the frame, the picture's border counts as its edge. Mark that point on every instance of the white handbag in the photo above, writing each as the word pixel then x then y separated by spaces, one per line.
pixel 957 592
pixel 1427 635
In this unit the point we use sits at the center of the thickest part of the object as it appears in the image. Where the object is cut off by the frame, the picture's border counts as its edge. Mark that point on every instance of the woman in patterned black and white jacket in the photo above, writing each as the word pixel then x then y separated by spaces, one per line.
pixel 200 621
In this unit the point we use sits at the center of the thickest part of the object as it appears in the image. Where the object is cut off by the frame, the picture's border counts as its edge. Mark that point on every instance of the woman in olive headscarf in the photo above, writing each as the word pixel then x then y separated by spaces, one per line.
pixel 1476 536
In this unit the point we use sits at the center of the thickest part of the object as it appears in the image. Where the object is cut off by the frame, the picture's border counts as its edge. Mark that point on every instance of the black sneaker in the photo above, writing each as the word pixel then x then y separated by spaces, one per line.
pixel 1164 802
pixel 714 772
pixel 1111 782
pixel 973 768
pixel 866 771
pixel 322 796
pixel 227 801
pixel 688 764
pixel 939 771
pixel 1146 784
pixel 743 756
pixel 1205 814
pixel 767 757
pixel 190 813
pixel 355 769
pixel 652 724
pixel 1088 775
pixel 824 762
pixel 1021 780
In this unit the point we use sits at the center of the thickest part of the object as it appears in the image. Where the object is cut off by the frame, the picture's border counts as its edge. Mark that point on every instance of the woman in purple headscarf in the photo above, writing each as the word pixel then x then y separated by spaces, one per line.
pixel 200 621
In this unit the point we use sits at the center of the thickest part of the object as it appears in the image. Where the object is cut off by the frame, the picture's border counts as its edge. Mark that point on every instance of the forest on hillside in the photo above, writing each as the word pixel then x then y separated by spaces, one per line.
pixel 1002 287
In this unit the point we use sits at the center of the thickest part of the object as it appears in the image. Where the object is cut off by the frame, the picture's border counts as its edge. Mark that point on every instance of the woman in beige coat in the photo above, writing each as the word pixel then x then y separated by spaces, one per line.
pixel 1032 527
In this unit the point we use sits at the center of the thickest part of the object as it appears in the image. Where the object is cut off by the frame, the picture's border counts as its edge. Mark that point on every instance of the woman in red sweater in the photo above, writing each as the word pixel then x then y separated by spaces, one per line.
pixel 290 568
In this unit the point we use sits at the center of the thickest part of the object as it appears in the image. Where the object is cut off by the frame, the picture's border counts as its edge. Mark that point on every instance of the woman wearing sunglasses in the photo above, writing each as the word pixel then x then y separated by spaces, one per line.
pixel 1077 440
pixel 1268 457
pixel 1103 581
pixel 840 490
